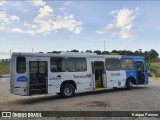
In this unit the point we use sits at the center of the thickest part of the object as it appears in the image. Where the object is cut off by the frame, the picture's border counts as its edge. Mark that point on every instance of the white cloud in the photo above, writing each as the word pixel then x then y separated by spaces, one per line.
pixel 16 5
pixel 45 15
pixel 124 18
pixel 6 18
pixel 2 2
pixel 30 26
pixel 17 30
pixel 68 22
pixel 122 25
pixel 14 18
pixel 38 2
pixel 47 21
pixel 44 19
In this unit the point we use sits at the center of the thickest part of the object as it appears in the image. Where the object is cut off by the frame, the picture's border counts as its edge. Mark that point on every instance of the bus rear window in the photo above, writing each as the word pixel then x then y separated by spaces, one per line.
pixel 21 64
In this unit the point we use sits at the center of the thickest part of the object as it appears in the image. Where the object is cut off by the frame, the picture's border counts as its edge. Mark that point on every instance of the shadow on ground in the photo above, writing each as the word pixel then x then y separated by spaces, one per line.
pixel 54 97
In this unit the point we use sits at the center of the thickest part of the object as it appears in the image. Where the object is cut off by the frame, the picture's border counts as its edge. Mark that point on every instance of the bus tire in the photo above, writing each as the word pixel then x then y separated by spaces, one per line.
pixel 67 90
pixel 129 84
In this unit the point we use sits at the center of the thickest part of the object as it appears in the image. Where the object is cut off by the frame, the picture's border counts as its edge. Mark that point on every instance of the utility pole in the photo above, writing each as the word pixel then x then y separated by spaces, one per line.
pixel 10 52
pixel 104 45
pixel 32 50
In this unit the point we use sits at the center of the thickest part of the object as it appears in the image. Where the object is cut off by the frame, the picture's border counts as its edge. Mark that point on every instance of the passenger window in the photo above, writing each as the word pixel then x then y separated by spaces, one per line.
pixel 58 65
pixel 127 64
pixel 21 64
pixel 140 66
pixel 112 64
pixel 76 64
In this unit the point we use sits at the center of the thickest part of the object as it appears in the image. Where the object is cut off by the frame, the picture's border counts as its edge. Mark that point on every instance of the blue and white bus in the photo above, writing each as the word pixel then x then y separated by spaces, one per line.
pixel 132 69
pixel 65 73
pixel 138 73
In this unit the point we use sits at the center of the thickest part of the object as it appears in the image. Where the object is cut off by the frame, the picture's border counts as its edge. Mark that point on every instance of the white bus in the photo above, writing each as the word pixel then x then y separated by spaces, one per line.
pixel 65 73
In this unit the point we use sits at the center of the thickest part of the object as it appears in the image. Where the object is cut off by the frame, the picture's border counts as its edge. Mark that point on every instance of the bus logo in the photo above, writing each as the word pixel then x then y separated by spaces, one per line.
pixel 22 79
pixel 83 76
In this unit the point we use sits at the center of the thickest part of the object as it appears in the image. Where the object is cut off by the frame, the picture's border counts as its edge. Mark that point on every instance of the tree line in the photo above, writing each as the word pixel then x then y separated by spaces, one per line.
pixel 151 55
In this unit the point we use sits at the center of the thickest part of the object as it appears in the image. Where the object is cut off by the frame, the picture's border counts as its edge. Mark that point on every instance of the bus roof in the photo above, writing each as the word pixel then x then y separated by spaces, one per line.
pixel 54 54
pixel 133 57
pixel 73 54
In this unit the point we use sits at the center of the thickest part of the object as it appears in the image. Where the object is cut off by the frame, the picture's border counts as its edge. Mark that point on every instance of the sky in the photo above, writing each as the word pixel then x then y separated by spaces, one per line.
pixel 53 25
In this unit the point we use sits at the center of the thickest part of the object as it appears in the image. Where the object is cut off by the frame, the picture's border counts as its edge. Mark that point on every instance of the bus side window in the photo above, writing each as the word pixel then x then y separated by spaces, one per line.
pixel 21 65
pixel 140 66
pixel 76 64
pixel 127 64
pixel 112 64
pixel 58 65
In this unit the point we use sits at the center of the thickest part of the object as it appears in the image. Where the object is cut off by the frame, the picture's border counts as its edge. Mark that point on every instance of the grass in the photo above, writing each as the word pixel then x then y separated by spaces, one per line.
pixel 155 69
pixel 4 68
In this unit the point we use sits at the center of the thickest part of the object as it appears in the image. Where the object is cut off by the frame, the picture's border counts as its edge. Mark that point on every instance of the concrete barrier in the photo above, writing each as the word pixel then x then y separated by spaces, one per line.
pixel 4 76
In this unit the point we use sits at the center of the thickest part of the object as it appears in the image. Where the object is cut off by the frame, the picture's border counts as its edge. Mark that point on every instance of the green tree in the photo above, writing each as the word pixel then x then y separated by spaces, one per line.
pixel 114 52
pixel 74 50
pixel 56 52
pixel 146 55
pixel 105 53
pixel 153 54
pixel 98 52
pixel 88 51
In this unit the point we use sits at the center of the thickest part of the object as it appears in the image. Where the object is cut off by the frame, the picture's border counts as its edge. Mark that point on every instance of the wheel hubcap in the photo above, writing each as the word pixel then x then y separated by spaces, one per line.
pixel 68 91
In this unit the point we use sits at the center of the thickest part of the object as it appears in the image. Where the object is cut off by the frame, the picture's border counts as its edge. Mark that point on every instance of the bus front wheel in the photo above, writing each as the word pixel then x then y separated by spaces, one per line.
pixel 67 90
pixel 129 84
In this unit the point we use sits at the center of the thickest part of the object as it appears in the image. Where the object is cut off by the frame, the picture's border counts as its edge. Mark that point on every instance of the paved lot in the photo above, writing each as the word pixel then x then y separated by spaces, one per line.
pixel 140 98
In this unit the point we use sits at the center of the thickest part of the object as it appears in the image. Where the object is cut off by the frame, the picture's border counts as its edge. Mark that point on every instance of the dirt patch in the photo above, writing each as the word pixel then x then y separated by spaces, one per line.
pixel 155 78
pixel 156 64
pixel 99 104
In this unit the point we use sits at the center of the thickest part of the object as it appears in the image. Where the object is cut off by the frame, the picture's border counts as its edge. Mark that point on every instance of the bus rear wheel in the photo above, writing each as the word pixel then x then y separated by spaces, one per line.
pixel 67 90
pixel 129 84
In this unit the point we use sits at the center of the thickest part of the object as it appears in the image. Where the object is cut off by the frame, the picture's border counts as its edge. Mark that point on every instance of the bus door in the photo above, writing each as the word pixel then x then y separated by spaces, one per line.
pixel 38 75
pixel 142 73
pixel 99 74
